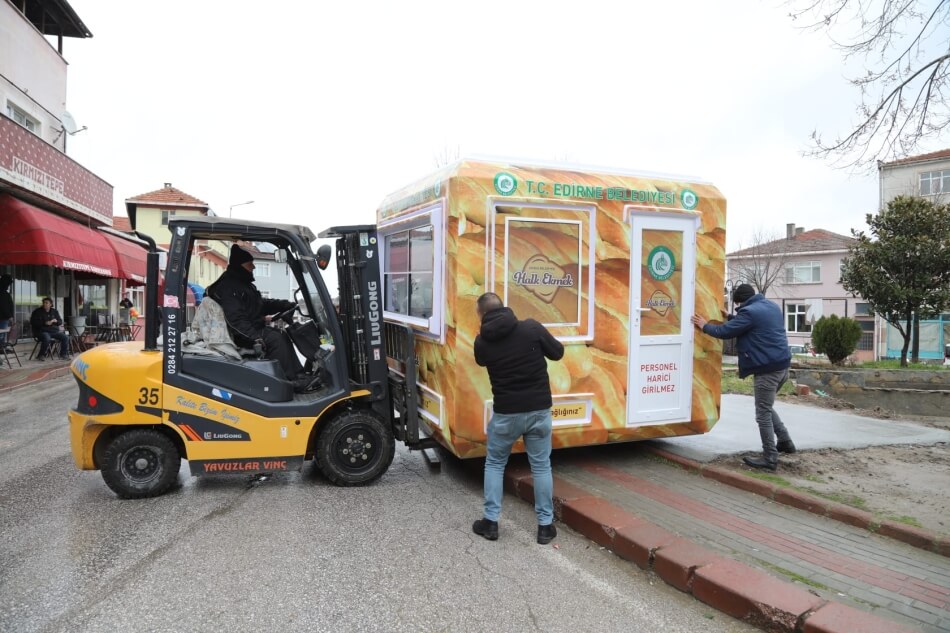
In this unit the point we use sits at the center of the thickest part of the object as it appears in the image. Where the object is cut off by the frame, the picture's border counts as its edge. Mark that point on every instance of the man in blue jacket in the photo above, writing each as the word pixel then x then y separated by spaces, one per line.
pixel 762 345
pixel 515 354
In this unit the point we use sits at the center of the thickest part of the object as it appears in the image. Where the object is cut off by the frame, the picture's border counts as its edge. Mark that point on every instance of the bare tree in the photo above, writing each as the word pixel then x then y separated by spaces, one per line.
pixel 762 263
pixel 905 92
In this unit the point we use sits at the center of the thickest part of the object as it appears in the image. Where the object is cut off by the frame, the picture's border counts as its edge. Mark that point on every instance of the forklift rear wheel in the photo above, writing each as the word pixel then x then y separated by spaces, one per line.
pixel 355 448
pixel 140 463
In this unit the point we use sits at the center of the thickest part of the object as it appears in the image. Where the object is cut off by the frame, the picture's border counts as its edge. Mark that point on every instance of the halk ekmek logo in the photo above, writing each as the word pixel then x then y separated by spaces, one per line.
pixel 505 183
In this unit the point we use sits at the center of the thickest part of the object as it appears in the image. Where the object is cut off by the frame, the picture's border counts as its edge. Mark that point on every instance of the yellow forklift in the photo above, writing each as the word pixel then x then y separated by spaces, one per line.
pixel 144 406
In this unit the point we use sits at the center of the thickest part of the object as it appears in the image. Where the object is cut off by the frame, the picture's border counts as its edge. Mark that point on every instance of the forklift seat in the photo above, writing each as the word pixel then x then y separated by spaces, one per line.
pixel 215 361
pixel 212 328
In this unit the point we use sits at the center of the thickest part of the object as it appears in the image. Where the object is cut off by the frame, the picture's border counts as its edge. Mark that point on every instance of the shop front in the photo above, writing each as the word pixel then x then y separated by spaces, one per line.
pixel 85 270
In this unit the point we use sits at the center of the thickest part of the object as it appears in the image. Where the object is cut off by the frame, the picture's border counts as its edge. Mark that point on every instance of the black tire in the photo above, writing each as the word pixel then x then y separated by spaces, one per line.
pixel 140 463
pixel 355 448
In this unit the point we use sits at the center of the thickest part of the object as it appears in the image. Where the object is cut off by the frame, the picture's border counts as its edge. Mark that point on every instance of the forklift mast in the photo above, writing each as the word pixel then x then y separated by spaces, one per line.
pixel 370 339
pixel 361 309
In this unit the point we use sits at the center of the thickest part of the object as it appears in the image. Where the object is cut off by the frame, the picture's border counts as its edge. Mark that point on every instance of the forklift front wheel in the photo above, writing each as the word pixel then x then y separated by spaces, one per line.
pixel 355 448
pixel 140 463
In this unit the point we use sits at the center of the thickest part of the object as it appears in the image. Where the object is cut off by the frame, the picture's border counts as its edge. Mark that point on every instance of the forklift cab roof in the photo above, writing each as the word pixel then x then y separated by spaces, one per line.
pixel 229 228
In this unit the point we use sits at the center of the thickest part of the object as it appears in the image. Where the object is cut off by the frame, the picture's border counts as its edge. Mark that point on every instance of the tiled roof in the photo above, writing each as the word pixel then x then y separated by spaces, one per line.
pixel 944 153
pixel 170 196
pixel 815 240
pixel 121 223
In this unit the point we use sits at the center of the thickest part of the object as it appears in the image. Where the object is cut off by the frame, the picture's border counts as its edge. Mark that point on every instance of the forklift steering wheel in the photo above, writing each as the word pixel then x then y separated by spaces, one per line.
pixel 287 316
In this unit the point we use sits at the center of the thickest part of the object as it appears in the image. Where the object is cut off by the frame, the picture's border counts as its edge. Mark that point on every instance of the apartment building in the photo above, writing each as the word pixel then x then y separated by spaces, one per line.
pixel 56 220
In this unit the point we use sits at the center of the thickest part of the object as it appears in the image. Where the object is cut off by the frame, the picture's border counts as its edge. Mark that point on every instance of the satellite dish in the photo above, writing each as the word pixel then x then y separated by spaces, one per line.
pixel 69 123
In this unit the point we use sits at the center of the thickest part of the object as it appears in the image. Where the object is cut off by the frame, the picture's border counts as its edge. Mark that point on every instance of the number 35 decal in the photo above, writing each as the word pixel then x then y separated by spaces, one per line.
pixel 148 396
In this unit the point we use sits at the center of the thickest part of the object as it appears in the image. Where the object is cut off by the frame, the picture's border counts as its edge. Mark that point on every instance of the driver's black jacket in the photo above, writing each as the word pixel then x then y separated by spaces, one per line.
pixel 244 307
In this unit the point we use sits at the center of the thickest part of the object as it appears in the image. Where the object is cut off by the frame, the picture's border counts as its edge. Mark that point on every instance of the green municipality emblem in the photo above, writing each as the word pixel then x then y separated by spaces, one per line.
pixel 689 199
pixel 660 263
pixel 505 183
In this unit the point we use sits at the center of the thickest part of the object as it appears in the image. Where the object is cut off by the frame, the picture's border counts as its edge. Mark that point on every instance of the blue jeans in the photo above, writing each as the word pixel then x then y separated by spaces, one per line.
pixel 770 425
pixel 504 429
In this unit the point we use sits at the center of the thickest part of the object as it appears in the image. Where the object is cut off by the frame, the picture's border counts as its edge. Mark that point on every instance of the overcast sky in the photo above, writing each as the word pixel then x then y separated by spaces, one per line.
pixel 316 111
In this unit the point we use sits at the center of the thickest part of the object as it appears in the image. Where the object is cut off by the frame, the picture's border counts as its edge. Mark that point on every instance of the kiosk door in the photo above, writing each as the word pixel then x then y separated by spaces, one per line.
pixel 662 288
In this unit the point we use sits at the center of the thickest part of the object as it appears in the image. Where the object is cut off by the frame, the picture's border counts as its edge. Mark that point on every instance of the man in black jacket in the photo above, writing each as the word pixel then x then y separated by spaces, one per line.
pixel 46 325
pixel 6 307
pixel 247 313
pixel 514 352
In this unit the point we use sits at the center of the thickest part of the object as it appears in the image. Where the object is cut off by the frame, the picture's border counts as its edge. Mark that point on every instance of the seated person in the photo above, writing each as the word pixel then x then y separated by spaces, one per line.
pixel 248 313
pixel 47 325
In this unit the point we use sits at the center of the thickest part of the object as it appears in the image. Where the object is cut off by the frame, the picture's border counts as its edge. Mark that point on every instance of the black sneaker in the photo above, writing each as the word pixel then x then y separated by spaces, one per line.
pixel 546 533
pixel 41 358
pixel 760 462
pixel 486 528
pixel 63 357
pixel 785 447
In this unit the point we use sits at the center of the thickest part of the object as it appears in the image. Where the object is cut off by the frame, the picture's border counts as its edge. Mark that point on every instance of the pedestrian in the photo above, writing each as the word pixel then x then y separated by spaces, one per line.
pixel 514 353
pixel 126 302
pixel 762 345
pixel 6 307
pixel 47 325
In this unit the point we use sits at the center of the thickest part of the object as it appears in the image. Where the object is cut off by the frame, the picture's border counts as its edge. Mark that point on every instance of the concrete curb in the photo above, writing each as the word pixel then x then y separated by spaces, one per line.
pixel 729 586
pixel 917 537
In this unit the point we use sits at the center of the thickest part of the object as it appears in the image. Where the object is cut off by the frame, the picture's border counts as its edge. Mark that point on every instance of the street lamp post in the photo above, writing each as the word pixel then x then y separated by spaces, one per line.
pixel 239 204
pixel 730 287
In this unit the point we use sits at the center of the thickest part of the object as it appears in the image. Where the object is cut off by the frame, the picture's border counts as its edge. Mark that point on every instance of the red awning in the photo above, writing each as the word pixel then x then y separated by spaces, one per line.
pixel 130 258
pixel 29 235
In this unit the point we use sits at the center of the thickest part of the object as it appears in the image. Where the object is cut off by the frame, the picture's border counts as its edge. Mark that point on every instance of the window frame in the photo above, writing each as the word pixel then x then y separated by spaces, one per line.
pixel 801 311
pixel 22 118
pixel 261 269
pixel 434 215
pixel 934 176
pixel 812 265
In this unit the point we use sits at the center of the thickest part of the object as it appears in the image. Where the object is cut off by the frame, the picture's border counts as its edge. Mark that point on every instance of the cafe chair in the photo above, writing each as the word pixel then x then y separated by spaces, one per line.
pixel 49 350
pixel 8 347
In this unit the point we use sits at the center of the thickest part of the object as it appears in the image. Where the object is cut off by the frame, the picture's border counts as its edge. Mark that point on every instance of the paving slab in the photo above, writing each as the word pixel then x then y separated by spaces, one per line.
pixel 682 526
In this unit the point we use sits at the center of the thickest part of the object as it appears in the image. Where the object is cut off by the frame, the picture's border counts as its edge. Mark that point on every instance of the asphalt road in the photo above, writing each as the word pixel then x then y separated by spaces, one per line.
pixel 291 552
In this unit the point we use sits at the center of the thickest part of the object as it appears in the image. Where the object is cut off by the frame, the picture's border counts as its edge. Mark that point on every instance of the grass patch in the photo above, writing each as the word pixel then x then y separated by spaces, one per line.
pixel 731 383
pixel 849 500
pixel 774 479
pixel 795 577
pixel 815 478
pixel 896 364
pixel 662 460
pixel 906 520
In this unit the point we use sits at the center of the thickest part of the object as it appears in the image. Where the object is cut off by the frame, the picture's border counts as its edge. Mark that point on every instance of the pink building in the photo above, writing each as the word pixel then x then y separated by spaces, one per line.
pixel 805 273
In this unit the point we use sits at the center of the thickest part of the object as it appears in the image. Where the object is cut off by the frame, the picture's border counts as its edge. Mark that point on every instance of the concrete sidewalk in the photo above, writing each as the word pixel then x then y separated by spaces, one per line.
pixel 30 372
pixel 811 428
pixel 775 565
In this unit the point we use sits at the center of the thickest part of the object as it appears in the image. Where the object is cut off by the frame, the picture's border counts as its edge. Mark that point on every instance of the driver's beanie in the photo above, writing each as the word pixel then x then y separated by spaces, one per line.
pixel 239 256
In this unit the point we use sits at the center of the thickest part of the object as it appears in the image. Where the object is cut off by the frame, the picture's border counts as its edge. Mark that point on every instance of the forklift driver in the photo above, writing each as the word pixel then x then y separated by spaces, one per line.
pixel 248 314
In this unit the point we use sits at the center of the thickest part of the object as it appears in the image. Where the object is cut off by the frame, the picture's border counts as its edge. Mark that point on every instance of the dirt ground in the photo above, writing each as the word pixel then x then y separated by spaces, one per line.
pixel 910 484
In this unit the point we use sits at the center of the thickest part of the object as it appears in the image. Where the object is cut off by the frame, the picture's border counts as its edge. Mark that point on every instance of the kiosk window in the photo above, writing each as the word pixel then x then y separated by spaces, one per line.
pixel 408 272
pixel 412 273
